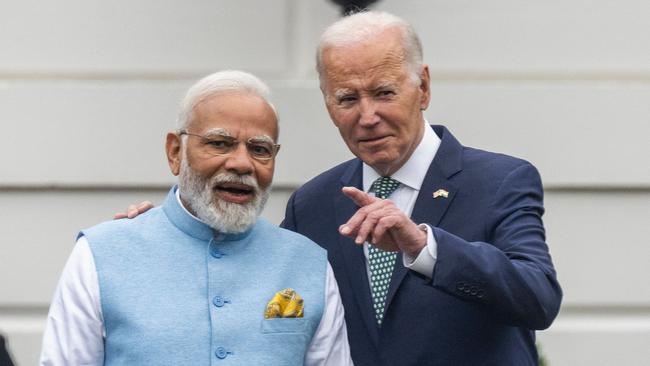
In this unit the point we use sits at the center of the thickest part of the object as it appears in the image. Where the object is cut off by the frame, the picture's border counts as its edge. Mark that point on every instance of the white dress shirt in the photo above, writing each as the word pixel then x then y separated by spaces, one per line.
pixel 411 175
pixel 74 334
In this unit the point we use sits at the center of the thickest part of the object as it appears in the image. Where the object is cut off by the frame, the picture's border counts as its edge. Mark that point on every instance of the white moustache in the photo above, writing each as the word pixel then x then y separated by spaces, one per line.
pixel 223 178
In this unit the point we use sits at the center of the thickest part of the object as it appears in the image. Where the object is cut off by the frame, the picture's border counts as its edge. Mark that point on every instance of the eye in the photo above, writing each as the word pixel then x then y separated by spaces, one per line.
pixel 218 143
pixel 386 93
pixel 347 99
pixel 262 150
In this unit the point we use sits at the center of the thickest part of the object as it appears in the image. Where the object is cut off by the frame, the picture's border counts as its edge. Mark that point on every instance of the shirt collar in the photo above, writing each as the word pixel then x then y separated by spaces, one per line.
pixel 192 225
pixel 412 173
pixel 178 199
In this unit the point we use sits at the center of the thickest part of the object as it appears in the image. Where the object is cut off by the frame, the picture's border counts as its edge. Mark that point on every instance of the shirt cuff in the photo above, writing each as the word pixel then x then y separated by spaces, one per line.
pixel 426 260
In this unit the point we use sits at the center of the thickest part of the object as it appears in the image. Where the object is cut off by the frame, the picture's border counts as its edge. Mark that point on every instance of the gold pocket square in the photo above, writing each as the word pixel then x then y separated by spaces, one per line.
pixel 284 304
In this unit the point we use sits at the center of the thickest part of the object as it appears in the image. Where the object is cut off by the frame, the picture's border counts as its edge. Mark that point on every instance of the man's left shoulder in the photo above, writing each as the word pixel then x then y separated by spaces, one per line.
pixel 291 240
pixel 493 166
pixel 477 158
pixel 489 173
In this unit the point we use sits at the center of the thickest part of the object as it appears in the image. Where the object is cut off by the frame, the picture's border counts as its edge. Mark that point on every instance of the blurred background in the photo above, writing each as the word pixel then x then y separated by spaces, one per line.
pixel 88 90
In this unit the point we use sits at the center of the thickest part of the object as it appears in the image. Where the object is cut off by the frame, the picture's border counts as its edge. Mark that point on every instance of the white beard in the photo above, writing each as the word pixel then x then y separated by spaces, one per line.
pixel 223 216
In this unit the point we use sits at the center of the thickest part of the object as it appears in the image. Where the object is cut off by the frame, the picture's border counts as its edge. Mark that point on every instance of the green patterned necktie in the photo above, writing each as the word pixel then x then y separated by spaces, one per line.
pixel 381 262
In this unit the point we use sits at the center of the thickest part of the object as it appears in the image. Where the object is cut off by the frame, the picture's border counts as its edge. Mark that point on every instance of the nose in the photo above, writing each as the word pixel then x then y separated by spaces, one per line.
pixel 368 112
pixel 239 161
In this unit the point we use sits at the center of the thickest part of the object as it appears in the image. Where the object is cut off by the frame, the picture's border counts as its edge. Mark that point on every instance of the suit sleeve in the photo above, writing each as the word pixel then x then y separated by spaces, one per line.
pixel 512 273
pixel 289 221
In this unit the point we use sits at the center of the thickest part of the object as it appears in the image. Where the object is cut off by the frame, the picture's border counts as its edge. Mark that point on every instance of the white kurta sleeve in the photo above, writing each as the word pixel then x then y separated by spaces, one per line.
pixel 75 330
pixel 330 346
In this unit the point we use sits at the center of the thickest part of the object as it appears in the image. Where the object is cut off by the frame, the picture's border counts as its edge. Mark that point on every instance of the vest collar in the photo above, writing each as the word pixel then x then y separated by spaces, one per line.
pixel 191 225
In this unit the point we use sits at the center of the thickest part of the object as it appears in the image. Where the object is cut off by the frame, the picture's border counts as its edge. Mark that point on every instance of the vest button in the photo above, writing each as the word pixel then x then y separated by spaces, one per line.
pixel 221 353
pixel 218 301
pixel 215 253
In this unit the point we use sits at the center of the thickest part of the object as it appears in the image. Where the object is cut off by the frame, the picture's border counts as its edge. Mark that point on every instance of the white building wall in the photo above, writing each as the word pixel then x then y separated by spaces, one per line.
pixel 88 90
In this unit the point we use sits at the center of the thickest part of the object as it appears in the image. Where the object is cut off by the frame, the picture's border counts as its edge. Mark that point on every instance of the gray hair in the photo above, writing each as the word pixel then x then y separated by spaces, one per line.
pixel 360 26
pixel 220 82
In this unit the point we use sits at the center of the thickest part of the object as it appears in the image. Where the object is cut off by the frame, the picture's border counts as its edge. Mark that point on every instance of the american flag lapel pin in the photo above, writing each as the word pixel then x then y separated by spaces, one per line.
pixel 440 193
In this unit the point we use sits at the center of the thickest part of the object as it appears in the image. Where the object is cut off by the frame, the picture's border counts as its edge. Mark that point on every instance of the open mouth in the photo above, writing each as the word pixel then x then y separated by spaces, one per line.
pixel 235 192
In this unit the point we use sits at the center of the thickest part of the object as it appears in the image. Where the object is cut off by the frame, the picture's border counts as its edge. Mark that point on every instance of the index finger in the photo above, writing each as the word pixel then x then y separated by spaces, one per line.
pixel 359 197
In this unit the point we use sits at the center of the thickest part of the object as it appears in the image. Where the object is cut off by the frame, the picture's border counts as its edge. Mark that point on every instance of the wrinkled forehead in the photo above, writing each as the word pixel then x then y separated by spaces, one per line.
pixel 388 69
pixel 241 115
pixel 375 57
pixel 389 62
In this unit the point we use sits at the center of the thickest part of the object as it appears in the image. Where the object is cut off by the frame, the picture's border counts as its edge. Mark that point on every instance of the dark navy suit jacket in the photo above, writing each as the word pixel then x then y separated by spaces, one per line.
pixel 493 283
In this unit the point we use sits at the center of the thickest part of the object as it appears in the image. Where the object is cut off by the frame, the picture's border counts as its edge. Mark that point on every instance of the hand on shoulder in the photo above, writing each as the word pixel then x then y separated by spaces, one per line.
pixel 134 210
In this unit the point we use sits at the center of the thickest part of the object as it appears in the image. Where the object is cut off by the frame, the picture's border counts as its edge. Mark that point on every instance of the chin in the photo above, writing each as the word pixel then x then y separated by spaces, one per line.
pixel 380 158
pixel 383 164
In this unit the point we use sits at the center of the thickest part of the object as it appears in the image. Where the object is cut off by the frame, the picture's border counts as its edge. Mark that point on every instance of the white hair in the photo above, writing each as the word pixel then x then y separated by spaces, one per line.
pixel 221 82
pixel 357 27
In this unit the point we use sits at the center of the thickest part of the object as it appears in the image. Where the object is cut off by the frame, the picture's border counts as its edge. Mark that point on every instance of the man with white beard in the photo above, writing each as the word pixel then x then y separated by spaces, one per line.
pixel 201 279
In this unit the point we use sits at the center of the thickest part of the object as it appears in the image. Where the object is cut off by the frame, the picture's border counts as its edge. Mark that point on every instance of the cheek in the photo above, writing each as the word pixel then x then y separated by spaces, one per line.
pixel 205 167
pixel 264 174
pixel 344 119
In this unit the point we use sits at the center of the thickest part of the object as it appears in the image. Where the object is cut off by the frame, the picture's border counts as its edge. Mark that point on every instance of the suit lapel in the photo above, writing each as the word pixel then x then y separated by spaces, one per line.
pixel 353 255
pixel 427 209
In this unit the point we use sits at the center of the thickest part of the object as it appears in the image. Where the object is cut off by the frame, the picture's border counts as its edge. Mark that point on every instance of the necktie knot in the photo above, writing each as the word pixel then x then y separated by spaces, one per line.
pixel 384 186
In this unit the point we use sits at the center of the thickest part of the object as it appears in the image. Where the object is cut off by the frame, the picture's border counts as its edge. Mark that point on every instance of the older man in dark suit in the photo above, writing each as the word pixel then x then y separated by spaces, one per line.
pixel 453 268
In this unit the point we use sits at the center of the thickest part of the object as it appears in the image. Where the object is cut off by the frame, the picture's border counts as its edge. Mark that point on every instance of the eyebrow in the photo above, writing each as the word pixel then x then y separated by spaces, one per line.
pixel 387 85
pixel 217 132
pixel 222 132
pixel 262 138
pixel 338 94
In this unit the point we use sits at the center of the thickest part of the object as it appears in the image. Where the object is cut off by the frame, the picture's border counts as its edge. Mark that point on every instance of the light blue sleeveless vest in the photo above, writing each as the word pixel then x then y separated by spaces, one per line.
pixel 174 292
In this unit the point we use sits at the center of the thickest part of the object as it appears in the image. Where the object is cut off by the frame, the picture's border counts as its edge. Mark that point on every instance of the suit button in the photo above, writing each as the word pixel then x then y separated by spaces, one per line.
pixel 466 290
pixel 219 301
pixel 221 353
pixel 480 294
pixel 473 291
pixel 460 286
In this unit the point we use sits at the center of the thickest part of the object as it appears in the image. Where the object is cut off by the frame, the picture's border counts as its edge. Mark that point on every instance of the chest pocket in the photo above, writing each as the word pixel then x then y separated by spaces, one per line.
pixel 285 325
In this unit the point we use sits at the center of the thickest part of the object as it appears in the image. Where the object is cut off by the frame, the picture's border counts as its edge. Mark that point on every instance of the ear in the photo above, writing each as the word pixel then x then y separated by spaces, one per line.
pixel 173 149
pixel 425 87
